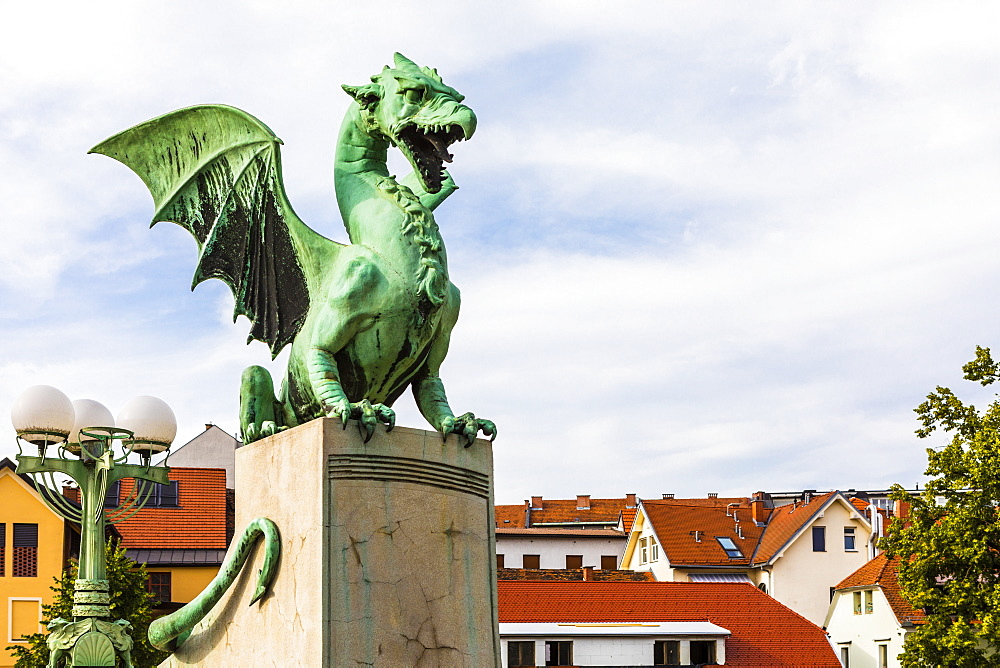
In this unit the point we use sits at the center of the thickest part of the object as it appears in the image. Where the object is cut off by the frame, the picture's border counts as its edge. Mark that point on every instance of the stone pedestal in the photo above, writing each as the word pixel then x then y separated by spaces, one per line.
pixel 387 554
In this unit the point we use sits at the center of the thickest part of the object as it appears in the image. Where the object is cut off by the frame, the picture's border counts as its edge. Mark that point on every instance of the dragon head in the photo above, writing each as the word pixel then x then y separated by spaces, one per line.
pixel 415 111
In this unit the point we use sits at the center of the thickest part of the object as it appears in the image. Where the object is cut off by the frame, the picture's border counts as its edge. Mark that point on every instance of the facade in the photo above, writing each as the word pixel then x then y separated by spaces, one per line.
pixel 34 545
pixel 796 553
pixel 617 624
pixel 868 618
pixel 565 548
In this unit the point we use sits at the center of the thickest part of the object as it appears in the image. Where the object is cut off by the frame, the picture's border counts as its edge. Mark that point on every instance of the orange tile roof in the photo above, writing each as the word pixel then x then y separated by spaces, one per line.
pixel 881 572
pixel 566 511
pixel 627 518
pixel 510 516
pixel 785 522
pixel 860 504
pixel 676 520
pixel 199 522
pixel 560 531
pixel 573 574
pixel 765 634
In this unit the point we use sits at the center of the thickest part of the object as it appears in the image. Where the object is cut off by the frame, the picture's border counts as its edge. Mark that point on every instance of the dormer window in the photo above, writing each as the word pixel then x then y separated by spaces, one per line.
pixel 732 551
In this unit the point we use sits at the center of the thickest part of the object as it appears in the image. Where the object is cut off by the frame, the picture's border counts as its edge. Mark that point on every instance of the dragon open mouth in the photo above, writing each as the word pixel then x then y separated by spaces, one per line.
pixel 427 149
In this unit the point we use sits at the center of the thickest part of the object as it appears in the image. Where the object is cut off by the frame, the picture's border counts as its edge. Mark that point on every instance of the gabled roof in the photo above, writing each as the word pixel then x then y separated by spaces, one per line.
pixel 787 522
pixel 881 572
pixel 764 633
pixel 675 522
pixel 565 511
pixel 199 522
pixel 509 516
pixel 627 518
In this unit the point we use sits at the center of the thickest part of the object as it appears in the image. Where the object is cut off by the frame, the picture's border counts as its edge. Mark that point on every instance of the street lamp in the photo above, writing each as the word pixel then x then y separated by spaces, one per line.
pixel 86 440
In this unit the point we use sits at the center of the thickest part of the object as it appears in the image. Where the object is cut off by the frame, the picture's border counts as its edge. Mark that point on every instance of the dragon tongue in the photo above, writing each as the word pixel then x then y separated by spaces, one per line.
pixel 440 147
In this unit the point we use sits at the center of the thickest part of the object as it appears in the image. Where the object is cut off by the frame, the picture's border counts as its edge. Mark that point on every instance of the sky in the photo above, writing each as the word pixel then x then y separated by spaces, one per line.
pixel 702 247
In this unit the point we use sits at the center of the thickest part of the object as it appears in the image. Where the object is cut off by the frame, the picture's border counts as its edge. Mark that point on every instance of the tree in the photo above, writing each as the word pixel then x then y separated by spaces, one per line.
pixel 129 600
pixel 948 549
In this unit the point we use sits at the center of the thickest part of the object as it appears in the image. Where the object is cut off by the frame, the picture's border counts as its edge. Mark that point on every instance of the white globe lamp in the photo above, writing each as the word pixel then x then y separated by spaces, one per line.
pixel 151 422
pixel 42 415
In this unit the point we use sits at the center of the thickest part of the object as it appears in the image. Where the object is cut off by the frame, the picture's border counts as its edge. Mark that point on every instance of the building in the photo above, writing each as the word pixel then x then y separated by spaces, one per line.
pixel 580 513
pixel 617 624
pixel 35 544
pixel 868 618
pixel 181 533
pixel 796 553
pixel 556 547
pixel 211 449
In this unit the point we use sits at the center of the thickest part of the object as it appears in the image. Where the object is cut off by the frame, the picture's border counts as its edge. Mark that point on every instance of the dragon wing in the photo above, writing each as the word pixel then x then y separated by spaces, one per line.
pixel 216 171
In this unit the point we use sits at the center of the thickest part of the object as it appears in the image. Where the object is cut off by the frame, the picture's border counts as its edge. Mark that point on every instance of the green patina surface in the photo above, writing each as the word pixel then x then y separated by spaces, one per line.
pixel 365 320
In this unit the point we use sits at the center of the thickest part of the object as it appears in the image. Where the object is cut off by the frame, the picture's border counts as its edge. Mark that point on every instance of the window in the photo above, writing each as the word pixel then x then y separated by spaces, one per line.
pixel 654 549
pixel 499 561
pixel 729 546
pixel 869 604
pixel 529 561
pixel 609 562
pixel 112 497
pixel 3 549
pixel 161 496
pixel 819 539
pixel 558 652
pixel 643 555
pixel 845 657
pixel 574 561
pixel 158 585
pixel 25 617
pixel 667 653
pixel 702 651
pixel 849 544
pixel 25 550
pixel 883 656
pixel 857 603
pixel 520 653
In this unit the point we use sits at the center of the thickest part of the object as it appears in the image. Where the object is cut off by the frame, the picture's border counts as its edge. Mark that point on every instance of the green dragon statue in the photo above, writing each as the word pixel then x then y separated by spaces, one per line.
pixel 365 320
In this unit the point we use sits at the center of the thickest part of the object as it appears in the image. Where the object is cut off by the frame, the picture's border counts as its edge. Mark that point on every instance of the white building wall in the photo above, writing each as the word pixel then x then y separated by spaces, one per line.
pixel 657 563
pixel 612 651
pixel 801 578
pixel 862 634
pixel 552 550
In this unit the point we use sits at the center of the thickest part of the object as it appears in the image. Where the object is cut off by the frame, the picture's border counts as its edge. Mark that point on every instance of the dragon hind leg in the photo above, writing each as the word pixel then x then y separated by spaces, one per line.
pixel 260 413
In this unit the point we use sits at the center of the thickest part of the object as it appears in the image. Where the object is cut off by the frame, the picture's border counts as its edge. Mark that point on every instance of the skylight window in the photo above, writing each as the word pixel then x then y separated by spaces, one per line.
pixel 729 546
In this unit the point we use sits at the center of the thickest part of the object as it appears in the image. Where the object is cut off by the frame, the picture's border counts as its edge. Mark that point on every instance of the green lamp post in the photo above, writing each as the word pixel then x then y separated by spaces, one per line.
pixel 95 452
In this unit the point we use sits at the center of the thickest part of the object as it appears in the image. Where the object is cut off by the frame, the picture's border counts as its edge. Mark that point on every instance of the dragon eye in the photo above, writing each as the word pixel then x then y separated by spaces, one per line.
pixel 413 95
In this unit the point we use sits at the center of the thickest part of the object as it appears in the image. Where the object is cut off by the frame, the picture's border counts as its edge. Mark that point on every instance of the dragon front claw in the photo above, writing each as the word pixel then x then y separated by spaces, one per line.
pixel 467 426
pixel 367 414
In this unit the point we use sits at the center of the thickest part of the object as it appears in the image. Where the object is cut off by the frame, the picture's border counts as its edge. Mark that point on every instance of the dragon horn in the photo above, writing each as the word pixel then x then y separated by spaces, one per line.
pixel 403 63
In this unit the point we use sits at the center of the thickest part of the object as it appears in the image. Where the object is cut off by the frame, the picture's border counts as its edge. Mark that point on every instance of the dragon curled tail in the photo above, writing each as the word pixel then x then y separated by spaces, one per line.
pixel 171 631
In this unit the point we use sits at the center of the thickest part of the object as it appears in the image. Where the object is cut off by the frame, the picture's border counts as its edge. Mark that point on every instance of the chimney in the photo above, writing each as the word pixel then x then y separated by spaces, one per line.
pixel 71 493
pixel 901 509
pixel 713 495
pixel 588 573
pixel 583 501
pixel 536 503
pixel 630 501
pixel 668 496
pixel 758 508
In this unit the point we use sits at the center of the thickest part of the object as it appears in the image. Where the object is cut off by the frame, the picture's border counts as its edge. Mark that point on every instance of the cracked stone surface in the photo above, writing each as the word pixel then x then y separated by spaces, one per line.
pixel 383 571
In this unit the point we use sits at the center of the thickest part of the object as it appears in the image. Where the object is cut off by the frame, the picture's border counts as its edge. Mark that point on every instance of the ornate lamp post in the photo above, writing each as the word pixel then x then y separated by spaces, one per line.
pixel 94 452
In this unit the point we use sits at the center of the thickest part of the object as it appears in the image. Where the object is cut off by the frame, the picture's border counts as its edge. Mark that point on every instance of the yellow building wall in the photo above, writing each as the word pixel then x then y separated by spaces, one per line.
pixel 21 598
pixel 186 582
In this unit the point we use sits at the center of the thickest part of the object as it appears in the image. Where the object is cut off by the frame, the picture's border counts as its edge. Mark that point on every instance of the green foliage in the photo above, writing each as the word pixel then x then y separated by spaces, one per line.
pixel 129 600
pixel 948 549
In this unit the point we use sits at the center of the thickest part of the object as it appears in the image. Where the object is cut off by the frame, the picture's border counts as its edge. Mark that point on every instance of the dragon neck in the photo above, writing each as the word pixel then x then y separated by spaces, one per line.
pixel 384 215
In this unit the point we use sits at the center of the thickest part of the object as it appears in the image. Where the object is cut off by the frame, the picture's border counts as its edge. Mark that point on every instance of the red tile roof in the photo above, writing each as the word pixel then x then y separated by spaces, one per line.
pixel 566 511
pixel 765 634
pixel 509 516
pixel 881 572
pixel 627 518
pixel 785 522
pixel 676 520
pixel 199 522
pixel 560 531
